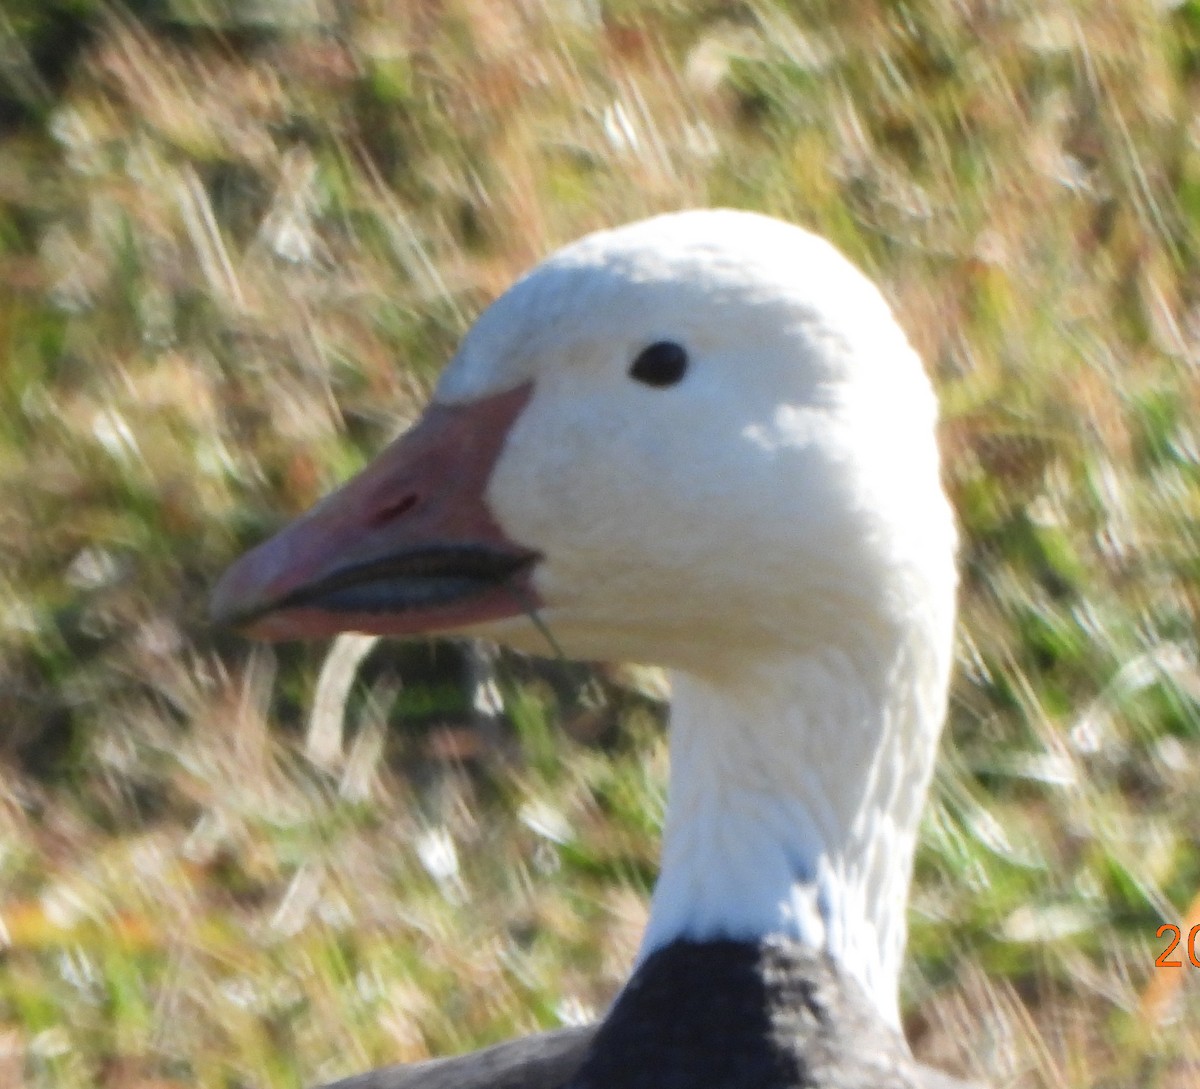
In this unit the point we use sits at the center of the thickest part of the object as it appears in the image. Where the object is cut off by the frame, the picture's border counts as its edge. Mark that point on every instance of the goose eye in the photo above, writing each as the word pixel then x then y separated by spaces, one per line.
pixel 662 364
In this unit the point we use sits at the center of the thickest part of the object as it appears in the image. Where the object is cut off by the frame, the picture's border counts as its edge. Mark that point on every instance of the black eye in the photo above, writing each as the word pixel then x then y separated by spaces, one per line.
pixel 662 364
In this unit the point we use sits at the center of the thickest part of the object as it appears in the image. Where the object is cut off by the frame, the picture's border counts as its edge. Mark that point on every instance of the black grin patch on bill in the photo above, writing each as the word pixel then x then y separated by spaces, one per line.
pixel 422 579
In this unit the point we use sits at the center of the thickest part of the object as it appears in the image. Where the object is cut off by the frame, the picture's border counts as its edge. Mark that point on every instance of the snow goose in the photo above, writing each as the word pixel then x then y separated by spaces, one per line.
pixel 701 440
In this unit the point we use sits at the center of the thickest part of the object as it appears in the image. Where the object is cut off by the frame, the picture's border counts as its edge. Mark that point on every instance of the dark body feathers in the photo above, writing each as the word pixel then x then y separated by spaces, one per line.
pixel 701 1015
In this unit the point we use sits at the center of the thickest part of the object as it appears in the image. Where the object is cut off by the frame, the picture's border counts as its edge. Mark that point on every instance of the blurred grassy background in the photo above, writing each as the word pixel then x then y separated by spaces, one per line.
pixel 236 242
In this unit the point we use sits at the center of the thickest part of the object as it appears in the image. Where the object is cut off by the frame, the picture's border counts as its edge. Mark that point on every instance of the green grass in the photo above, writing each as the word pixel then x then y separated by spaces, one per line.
pixel 232 258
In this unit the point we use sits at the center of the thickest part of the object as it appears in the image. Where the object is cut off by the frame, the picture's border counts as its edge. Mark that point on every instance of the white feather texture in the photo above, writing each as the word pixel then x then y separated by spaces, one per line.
pixel 772 528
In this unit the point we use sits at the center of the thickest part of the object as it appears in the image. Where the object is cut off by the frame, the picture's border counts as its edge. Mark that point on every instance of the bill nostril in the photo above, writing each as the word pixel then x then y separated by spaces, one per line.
pixel 391 511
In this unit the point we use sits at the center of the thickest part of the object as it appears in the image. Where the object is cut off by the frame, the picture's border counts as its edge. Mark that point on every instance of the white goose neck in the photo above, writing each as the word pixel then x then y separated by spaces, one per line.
pixel 795 795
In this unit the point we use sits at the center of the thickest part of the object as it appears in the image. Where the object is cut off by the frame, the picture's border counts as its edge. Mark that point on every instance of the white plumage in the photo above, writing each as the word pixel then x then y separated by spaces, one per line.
pixel 771 527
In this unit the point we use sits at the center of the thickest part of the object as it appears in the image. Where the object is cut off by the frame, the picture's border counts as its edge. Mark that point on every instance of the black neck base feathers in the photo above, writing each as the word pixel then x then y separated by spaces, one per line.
pixel 702 1015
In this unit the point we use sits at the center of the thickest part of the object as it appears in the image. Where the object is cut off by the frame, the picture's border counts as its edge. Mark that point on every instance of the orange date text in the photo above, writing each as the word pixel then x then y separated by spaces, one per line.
pixel 1165 958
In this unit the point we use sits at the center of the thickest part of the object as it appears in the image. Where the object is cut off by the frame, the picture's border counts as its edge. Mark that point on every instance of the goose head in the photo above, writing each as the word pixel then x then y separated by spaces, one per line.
pixel 686 441
pixel 701 441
